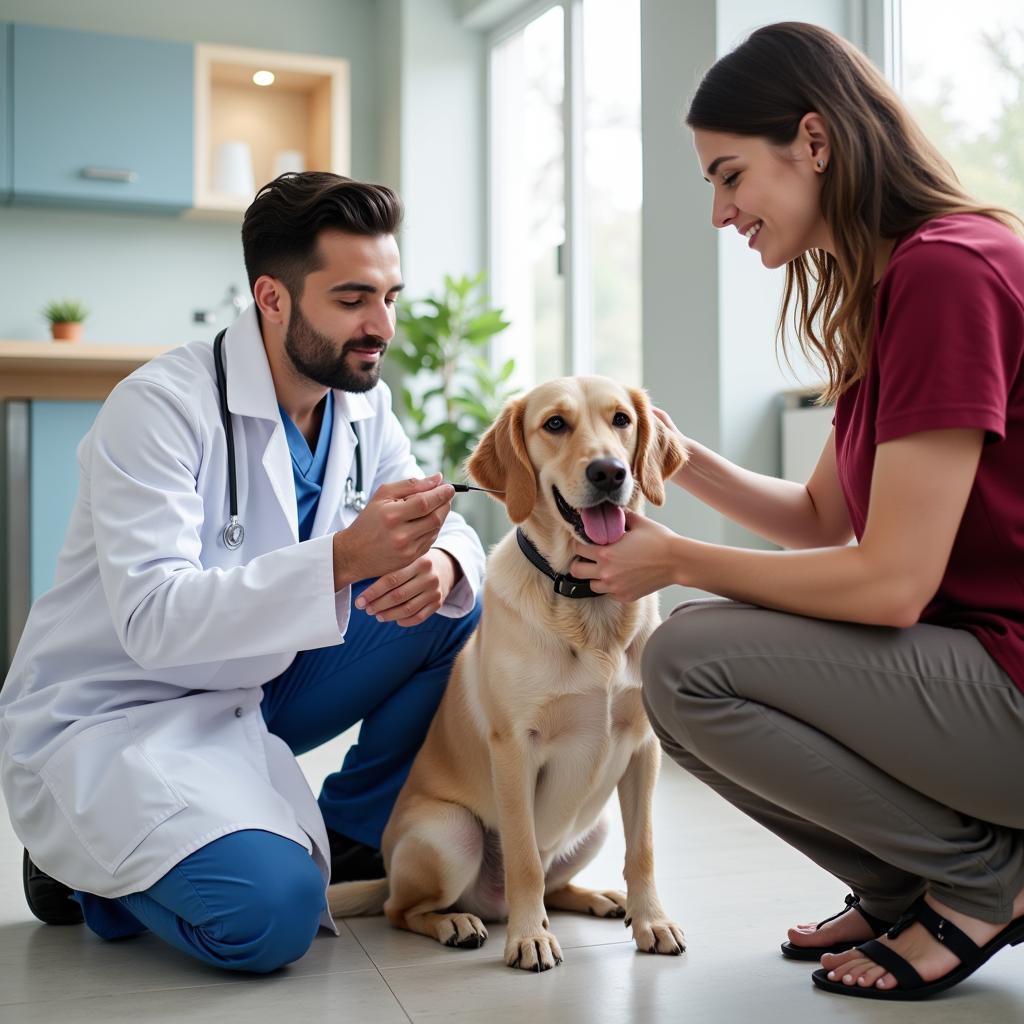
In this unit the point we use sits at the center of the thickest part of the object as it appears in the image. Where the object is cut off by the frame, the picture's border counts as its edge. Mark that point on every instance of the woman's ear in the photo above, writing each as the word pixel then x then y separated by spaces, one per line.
pixel 812 141
pixel 500 462
pixel 658 451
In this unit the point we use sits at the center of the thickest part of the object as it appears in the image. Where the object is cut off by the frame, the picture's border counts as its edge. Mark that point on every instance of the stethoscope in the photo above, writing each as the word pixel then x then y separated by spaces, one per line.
pixel 234 532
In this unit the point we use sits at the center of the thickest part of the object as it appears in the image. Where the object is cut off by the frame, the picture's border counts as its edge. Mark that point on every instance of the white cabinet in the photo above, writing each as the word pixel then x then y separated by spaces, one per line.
pixel 805 429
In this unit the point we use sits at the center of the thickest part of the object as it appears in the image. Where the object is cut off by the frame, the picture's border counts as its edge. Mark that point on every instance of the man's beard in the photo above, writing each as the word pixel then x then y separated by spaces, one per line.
pixel 315 356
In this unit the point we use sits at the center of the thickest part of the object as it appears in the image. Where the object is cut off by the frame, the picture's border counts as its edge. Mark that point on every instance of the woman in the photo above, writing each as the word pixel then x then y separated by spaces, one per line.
pixel 863 702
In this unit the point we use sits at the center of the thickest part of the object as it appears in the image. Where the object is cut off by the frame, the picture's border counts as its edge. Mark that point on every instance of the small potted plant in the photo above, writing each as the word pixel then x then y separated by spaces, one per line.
pixel 65 317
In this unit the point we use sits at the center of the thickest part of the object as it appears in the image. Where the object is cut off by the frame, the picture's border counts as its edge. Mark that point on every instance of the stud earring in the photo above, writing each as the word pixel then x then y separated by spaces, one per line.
pixel 821 165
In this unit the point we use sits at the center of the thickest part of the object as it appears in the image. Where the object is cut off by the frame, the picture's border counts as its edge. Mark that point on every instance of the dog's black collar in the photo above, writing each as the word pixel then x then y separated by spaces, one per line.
pixel 565 585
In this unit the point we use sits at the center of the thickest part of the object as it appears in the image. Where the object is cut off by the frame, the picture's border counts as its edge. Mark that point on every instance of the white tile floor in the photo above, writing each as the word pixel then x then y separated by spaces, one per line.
pixel 732 886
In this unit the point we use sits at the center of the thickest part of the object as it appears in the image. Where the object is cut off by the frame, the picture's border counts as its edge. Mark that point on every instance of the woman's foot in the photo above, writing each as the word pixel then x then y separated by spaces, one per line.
pixel 849 927
pixel 924 953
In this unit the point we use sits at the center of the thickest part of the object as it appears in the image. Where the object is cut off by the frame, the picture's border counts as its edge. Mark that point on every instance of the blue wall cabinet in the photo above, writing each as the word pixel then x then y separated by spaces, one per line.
pixel 101 120
pixel 5 112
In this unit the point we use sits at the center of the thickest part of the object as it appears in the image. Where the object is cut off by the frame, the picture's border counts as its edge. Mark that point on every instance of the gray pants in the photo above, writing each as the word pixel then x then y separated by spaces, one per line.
pixel 893 758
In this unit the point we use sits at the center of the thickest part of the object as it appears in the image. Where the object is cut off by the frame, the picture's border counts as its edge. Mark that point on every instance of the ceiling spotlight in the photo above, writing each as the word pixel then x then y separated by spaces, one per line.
pixel 263 78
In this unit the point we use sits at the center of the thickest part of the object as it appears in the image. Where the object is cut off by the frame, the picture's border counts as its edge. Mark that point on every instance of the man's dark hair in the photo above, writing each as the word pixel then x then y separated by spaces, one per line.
pixel 281 226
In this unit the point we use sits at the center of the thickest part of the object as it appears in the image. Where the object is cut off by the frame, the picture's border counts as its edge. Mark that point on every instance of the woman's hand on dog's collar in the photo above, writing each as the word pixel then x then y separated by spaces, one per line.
pixel 639 563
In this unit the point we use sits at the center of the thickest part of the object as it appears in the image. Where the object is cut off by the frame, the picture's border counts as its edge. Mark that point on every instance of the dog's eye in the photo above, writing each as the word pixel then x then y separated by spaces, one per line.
pixel 620 419
pixel 554 425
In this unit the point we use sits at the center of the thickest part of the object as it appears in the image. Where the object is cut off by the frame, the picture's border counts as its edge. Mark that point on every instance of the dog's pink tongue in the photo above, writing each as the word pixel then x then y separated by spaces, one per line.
pixel 604 523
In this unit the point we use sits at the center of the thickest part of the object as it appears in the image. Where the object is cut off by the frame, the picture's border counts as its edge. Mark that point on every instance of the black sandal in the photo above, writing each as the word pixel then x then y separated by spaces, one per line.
pixel 878 927
pixel 911 985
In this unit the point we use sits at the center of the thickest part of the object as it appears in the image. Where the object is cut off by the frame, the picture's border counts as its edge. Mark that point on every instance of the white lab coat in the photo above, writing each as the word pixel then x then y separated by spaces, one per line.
pixel 130 725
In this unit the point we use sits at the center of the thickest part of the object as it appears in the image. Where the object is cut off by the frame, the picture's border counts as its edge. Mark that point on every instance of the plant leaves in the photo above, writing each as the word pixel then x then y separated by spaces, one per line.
pixel 474 407
pixel 452 392
pixel 412 407
pixel 444 430
pixel 485 325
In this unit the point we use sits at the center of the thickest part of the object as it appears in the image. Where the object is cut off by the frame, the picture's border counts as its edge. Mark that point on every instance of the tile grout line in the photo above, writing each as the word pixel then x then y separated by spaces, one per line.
pixel 430 961
pixel 380 973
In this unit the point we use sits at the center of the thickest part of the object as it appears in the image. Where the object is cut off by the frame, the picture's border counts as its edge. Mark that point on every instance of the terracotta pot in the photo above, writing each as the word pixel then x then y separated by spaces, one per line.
pixel 66 331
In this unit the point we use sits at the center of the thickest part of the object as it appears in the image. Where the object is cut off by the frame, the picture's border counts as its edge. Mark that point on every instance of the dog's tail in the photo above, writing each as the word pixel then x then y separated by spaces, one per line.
pixel 358 899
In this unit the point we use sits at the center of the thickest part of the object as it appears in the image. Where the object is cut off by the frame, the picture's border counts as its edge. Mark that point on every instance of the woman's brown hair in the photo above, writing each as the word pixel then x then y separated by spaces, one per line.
pixel 884 178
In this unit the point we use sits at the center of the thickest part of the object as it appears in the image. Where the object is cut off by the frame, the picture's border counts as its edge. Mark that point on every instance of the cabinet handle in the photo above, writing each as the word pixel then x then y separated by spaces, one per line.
pixel 110 174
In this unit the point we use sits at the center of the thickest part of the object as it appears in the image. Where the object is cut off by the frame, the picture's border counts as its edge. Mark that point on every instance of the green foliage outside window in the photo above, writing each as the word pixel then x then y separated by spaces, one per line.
pixel 990 162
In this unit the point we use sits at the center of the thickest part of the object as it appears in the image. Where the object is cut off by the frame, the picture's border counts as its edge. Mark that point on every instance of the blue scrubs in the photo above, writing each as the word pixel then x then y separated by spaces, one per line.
pixel 309 467
pixel 251 900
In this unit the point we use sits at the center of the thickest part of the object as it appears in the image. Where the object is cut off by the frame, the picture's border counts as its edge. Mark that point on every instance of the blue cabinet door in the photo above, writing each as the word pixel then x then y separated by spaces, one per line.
pixel 5 114
pixel 101 120
pixel 56 429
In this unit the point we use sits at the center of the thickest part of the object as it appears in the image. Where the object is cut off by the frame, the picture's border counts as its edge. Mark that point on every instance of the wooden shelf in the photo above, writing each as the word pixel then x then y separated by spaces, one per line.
pixel 67 370
pixel 307 109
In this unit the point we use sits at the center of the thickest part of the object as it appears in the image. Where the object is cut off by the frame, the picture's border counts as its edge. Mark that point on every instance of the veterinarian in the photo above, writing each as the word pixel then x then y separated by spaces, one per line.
pixel 229 598
pixel 862 702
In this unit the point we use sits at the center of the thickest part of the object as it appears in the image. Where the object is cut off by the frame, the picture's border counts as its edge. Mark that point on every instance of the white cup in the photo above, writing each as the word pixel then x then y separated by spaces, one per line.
pixel 288 161
pixel 232 169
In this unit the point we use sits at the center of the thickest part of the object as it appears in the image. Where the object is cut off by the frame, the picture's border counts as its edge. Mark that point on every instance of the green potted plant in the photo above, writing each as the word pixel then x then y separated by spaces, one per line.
pixel 451 392
pixel 65 317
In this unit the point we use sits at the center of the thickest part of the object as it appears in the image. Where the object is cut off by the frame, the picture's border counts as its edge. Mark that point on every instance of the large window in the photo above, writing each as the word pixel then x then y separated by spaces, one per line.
pixel 528 193
pixel 963 79
pixel 565 188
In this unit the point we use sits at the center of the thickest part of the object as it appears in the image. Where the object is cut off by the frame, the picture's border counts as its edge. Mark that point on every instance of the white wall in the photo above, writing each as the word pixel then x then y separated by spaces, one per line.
pixel 417 123
pixel 749 294
pixel 680 271
pixel 442 169
pixel 709 307
pixel 143 274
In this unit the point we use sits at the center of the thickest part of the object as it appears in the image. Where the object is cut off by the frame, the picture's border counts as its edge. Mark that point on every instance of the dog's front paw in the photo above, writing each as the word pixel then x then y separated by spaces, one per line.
pixel 537 951
pixel 658 935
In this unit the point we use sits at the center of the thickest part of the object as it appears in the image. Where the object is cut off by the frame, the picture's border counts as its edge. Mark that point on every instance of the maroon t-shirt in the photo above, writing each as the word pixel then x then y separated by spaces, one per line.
pixel 948 352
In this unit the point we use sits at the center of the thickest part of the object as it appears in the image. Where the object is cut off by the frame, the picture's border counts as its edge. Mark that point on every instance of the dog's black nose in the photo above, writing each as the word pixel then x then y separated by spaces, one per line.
pixel 606 474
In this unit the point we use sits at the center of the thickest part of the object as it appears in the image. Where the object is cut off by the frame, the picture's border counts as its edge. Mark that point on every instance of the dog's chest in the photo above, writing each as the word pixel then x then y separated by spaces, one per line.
pixel 595 705
pixel 582 746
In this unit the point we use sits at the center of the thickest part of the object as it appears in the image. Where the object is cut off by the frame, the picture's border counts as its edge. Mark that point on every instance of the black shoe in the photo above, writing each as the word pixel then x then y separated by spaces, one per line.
pixel 353 861
pixel 48 899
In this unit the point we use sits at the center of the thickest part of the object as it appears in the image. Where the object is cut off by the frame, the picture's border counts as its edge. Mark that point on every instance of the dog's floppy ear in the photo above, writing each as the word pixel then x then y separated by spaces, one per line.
pixel 658 451
pixel 500 462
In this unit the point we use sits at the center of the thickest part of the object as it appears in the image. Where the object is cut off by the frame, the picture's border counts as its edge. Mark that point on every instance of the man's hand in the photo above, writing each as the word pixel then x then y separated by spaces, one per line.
pixel 397 527
pixel 410 595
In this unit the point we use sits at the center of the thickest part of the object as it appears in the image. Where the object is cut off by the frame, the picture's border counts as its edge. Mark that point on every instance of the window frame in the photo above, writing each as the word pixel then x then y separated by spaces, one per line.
pixel 877 27
pixel 577 339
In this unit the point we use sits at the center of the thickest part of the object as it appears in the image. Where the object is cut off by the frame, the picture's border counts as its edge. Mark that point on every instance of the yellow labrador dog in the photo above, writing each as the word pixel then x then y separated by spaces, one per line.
pixel 542 718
